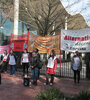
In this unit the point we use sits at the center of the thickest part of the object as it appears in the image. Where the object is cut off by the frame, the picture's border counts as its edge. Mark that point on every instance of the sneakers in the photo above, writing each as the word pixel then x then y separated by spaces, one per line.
pixel 34 83
pixel 47 84
pixel 51 84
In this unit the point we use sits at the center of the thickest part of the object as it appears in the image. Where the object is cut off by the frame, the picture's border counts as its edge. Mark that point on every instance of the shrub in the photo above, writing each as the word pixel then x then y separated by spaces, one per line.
pixel 84 95
pixel 52 94
pixel 56 94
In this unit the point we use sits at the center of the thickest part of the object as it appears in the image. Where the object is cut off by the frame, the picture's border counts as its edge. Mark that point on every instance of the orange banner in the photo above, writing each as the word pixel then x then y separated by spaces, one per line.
pixel 44 44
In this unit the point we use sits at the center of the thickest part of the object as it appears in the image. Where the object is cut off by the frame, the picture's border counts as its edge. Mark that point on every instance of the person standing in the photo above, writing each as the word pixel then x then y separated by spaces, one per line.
pixel 51 68
pixel 87 61
pixel 4 61
pixel 25 61
pixel 37 53
pixel 38 56
pixel 12 62
pixel 35 69
pixel 76 65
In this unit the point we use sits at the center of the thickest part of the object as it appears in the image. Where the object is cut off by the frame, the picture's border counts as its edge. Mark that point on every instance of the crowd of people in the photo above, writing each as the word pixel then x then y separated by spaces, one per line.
pixel 34 60
pixel 27 61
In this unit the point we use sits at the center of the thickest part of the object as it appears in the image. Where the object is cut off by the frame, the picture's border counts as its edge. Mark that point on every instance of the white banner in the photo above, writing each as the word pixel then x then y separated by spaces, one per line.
pixel 75 40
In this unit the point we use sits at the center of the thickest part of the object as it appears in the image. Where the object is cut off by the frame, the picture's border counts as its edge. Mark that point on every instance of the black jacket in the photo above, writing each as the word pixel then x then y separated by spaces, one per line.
pixel 34 61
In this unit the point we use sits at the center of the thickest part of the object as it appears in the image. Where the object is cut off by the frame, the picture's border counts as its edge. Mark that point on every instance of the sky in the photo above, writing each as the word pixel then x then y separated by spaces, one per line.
pixel 78 6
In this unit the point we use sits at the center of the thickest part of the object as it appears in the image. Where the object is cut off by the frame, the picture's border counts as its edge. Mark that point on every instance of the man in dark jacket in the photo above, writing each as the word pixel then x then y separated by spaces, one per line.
pixel 38 56
pixel 35 69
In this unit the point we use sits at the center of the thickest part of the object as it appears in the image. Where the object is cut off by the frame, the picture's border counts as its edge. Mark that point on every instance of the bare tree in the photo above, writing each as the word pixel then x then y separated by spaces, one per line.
pixel 45 14
pixel 6 11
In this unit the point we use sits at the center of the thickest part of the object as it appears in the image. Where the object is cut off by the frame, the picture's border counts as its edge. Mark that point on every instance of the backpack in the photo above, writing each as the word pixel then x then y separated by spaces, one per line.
pixel 40 64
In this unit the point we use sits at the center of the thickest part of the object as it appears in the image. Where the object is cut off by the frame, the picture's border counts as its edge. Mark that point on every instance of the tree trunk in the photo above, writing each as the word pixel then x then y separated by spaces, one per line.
pixel 16 16
pixel 45 59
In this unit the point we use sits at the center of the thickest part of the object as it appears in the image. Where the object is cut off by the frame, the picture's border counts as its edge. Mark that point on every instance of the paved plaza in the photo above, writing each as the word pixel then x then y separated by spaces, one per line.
pixel 12 87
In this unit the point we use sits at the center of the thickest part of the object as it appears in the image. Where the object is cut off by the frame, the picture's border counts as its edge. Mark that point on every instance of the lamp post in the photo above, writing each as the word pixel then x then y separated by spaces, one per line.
pixel 28 28
pixel 53 28
pixel 65 53
pixel 66 23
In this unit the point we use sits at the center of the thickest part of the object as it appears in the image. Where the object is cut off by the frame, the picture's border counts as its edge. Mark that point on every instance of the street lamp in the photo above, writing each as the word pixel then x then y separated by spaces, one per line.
pixel 28 28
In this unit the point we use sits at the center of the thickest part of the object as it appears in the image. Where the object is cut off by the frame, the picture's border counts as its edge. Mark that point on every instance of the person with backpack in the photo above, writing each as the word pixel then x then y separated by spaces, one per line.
pixel 4 61
pixel 76 65
pixel 51 68
pixel 12 62
pixel 25 61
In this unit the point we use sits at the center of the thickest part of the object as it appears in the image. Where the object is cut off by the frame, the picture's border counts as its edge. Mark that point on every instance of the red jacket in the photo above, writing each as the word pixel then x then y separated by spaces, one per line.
pixel 52 70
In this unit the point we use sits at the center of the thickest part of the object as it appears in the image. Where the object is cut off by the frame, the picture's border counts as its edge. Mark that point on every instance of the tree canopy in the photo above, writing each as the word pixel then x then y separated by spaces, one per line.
pixel 45 16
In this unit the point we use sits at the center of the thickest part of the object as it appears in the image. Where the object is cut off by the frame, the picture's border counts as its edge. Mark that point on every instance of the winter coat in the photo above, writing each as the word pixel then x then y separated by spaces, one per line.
pixel 34 61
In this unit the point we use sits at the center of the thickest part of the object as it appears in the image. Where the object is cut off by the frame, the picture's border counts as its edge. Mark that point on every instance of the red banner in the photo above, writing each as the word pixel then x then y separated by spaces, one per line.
pixel 19 42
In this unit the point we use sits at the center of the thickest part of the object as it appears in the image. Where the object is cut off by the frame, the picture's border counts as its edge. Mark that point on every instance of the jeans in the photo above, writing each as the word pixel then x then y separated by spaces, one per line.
pixel 35 72
pixel 76 76
pixel 47 78
pixel 12 69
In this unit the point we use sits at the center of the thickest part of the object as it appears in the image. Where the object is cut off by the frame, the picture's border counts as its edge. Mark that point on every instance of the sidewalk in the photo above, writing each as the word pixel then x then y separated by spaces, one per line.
pixel 12 87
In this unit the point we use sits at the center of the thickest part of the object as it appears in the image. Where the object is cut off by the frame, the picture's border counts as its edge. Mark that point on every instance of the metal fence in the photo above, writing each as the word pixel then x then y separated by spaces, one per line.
pixel 66 71
pixel 63 71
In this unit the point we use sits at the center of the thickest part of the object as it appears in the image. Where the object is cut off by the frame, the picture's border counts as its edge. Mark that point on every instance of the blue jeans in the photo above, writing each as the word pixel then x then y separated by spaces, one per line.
pixel 12 69
pixel 35 72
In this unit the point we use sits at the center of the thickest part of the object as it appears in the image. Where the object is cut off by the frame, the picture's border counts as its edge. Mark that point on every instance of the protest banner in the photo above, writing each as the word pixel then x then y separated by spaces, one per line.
pixel 5 47
pixel 75 40
pixel 44 43
pixel 19 42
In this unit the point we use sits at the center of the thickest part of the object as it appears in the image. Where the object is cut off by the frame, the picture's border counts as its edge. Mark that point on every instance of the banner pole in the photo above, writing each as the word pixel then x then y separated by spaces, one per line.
pixel 28 40
pixel 60 50
pixel 60 64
